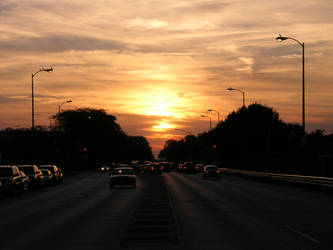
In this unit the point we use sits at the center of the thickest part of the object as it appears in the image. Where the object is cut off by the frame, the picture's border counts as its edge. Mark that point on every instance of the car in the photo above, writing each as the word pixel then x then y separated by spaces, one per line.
pixel 56 172
pixel 146 167
pixel 180 167
pixel 36 178
pixel 25 180
pixel 199 168
pixel 122 176
pixel 167 167
pixel 188 168
pixel 156 168
pixel 61 175
pixel 11 179
pixel 105 168
pixel 48 176
pixel 211 171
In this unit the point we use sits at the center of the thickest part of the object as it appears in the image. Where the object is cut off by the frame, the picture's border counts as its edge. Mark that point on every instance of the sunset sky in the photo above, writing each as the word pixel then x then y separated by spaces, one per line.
pixel 158 65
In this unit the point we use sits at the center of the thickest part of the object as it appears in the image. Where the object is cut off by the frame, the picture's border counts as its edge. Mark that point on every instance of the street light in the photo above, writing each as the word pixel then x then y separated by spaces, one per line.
pixel 231 89
pixel 210 120
pixel 218 114
pixel 281 39
pixel 67 101
pixel 32 95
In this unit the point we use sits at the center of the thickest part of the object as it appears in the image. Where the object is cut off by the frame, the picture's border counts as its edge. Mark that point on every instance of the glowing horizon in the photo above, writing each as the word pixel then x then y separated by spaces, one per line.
pixel 158 66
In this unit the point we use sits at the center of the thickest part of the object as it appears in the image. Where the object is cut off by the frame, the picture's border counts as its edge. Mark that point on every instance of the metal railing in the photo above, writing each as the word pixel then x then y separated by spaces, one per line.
pixel 301 179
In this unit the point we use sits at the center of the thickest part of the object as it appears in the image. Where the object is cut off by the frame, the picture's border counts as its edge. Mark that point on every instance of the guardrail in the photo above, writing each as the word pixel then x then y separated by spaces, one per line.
pixel 298 179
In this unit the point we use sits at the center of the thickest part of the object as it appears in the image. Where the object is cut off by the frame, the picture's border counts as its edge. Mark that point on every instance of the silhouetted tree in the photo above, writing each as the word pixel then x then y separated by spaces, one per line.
pixel 255 138
pixel 82 138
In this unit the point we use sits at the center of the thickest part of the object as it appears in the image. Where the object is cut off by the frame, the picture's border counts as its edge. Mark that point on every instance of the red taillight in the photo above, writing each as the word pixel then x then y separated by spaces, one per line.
pixel 218 171
pixel 196 167
pixel 152 168
pixel 162 168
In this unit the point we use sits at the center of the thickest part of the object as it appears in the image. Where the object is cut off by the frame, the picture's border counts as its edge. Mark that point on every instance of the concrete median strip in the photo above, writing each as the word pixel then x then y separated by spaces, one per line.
pixel 153 222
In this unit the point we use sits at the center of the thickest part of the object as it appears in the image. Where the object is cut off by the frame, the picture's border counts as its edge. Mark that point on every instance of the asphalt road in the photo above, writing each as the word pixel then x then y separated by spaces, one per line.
pixel 173 211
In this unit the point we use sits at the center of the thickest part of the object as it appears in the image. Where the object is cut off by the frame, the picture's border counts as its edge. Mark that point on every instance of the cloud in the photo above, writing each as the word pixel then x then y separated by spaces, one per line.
pixel 164 57
pixel 60 43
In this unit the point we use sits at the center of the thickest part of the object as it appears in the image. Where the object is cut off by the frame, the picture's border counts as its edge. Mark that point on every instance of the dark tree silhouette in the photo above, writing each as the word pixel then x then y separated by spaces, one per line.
pixel 255 138
pixel 82 138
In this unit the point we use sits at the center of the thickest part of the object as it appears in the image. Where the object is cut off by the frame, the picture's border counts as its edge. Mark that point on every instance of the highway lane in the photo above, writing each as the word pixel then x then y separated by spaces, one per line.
pixel 231 213
pixel 83 213
pixel 238 213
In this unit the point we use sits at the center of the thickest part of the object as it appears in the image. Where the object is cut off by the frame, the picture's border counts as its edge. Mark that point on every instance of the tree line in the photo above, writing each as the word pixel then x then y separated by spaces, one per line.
pixel 255 138
pixel 80 138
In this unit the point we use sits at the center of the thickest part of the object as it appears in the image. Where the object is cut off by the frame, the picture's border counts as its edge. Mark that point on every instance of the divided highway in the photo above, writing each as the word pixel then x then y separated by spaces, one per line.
pixel 231 213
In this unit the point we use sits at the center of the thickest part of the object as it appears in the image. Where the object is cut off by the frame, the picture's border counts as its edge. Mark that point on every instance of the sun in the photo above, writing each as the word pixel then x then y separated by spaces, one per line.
pixel 158 102
pixel 162 125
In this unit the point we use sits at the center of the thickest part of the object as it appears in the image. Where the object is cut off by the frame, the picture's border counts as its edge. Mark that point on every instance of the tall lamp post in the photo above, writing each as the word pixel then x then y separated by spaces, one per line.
pixel 281 39
pixel 210 120
pixel 218 114
pixel 32 96
pixel 59 106
pixel 243 93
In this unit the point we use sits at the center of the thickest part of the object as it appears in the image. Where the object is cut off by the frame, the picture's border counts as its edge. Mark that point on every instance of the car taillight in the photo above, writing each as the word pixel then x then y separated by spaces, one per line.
pixel 218 171
pixel 152 168
pixel 184 167
pixel 196 167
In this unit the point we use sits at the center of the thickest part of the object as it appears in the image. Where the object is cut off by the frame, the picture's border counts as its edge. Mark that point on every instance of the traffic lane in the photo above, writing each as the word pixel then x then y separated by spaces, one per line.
pixel 8 203
pixel 85 216
pixel 232 214
pixel 305 212
pixel 48 198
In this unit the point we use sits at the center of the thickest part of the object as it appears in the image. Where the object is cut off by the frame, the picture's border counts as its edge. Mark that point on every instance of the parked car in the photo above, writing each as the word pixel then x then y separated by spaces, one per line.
pixel 211 171
pixel 36 178
pixel 48 176
pixel 25 180
pixel 61 175
pixel 11 179
pixel 56 172
pixel 122 176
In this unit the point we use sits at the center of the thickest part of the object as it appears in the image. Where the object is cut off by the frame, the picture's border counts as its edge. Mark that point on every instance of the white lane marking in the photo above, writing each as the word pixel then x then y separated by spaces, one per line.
pixel 303 234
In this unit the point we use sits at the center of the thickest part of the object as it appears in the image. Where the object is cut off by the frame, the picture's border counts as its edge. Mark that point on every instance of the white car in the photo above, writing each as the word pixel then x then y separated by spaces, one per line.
pixel 122 176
